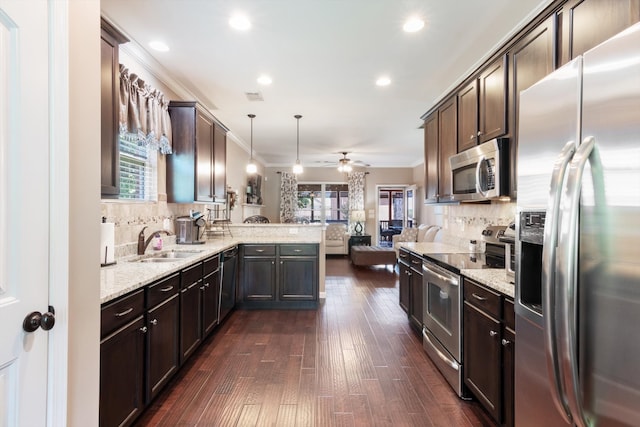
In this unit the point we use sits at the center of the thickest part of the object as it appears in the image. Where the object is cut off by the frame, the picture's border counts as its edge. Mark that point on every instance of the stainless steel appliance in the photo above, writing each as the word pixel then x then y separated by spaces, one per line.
pixel 577 257
pixel 188 229
pixel 509 240
pixel 481 173
pixel 442 316
pixel 229 281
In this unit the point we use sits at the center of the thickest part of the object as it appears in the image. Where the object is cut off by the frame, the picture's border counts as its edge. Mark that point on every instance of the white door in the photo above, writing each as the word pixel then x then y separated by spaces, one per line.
pixel 24 209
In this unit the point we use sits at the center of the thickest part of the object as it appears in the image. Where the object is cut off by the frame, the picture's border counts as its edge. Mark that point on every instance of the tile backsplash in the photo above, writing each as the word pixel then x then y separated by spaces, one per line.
pixel 463 222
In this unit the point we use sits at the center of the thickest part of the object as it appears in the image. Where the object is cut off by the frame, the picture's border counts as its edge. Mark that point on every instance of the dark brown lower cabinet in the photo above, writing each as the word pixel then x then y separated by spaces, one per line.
pixel 122 374
pixel 190 320
pixel 482 363
pixel 210 295
pixel 163 357
pixel 411 292
pixel 489 344
pixel 415 300
pixel 298 278
pixel 404 283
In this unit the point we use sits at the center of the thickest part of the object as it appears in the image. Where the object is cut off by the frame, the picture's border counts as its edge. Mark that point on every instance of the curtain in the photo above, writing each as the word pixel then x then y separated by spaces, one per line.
pixel 288 196
pixel 144 113
pixel 355 180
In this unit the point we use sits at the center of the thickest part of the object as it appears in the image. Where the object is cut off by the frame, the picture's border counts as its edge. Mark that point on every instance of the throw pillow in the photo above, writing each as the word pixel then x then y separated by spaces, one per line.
pixel 408 235
pixel 335 231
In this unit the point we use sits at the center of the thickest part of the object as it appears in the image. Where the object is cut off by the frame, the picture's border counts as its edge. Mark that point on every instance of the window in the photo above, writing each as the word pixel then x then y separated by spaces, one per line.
pixel 323 202
pixel 138 171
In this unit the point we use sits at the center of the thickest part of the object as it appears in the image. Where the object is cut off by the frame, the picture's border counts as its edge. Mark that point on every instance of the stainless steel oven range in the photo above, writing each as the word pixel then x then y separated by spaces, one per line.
pixel 442 316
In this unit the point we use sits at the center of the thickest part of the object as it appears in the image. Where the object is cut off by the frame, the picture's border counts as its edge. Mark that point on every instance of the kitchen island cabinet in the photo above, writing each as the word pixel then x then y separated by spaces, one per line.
pixel 279 275
pixel 210 294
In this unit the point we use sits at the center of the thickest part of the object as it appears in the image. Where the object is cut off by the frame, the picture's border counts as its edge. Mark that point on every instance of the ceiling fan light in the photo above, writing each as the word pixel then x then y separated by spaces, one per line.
pixel 345 168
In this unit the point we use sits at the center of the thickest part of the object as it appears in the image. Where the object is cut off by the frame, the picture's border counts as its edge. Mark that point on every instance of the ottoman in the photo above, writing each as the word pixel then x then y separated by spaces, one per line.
pixel 372 255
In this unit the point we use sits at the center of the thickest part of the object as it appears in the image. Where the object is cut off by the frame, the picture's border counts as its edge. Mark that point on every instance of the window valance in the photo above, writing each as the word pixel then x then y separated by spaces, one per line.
pixel 144 113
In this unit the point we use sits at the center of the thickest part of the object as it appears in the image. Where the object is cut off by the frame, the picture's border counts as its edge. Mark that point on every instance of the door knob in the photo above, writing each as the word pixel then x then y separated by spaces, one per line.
pixel 35 320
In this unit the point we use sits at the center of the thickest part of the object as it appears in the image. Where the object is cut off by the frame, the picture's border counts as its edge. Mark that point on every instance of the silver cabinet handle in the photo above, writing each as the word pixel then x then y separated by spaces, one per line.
pixel 259 250
pixel 415 262
pixel 154 322
pixel 471 137
pixel 505 342
pixel 297 250
pixel 166 288
pixel 492 333
pixel 206 285
pixel 202 288
pixel 478 297
pixel 143 329
pixel 124 313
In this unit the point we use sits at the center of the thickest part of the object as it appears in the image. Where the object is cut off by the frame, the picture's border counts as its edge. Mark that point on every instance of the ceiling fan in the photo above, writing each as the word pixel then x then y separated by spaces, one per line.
pixel 345 164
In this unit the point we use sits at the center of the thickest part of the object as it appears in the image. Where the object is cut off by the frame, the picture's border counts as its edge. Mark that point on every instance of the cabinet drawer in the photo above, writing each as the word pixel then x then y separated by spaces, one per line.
pixel 211 265
pixel 415 262
pixel 289 250
pixel 404 255
pixel 162 290
pixel 483 298
pixel 191 275
pixel 508 313
pixel 259 250
pixel 120 312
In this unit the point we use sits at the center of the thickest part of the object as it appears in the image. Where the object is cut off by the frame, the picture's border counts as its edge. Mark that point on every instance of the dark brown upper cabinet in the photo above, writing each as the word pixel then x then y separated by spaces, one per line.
pixel 585 24
pixel 110 39
pixel 482 106
pixel 196 169
pixel 447 145
pixel 431 159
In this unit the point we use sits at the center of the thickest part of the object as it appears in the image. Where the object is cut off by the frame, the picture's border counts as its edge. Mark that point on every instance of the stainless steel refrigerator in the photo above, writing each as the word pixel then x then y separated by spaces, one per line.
pixel 578 242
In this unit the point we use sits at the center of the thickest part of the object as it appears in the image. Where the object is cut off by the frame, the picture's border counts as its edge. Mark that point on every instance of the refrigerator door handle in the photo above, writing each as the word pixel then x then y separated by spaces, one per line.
pixel 548 276
pixel 568 259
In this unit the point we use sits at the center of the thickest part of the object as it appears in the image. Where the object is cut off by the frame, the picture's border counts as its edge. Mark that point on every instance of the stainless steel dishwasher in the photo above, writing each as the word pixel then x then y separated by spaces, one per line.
pixel 229 282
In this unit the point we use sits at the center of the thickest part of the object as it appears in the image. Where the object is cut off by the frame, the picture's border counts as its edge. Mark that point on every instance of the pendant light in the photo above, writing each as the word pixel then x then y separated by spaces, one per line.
pixel 251 167
pixel 297 168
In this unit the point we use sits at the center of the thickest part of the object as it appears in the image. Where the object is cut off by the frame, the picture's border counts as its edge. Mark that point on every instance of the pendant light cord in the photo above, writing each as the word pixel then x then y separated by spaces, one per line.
pixel 251 116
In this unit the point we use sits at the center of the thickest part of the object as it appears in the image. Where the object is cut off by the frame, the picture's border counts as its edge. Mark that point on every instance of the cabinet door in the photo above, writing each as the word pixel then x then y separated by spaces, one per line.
pixel 416 304
pixel 468 116
pixel 163 351
pixel 122 375
pixel 404 283
pixel 110 38
pixel 431 158
pixel 448 145
pixel 210 302
pixel 190 320
pixel 482 365
pixel 492 101
pixel 531 59
pixel 219 164
pixel 204 157
pixel 587 23
pixel 298 278
pixel 259 279
pixel 508 375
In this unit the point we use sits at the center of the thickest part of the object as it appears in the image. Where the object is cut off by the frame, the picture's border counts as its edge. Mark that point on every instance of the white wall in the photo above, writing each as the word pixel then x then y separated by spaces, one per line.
pixel 84 213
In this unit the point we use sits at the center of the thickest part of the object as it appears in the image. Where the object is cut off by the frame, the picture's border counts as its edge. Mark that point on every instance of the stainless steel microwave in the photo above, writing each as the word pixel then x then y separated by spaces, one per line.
pixel 482 172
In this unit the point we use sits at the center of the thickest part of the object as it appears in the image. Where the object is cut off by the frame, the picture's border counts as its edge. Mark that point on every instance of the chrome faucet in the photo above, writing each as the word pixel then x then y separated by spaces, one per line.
pixel 142 243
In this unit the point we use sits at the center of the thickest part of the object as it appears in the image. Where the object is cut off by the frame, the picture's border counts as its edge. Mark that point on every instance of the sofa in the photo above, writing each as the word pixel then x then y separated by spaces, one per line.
pixel 423 233
pixel 336 239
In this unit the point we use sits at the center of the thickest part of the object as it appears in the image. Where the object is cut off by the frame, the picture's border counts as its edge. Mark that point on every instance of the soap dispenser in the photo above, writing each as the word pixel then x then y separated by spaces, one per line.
pixel 157 242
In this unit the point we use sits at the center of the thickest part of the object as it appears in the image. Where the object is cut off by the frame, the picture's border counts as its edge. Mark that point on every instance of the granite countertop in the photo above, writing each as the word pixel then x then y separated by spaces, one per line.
pixel 494 278
pixel 127 275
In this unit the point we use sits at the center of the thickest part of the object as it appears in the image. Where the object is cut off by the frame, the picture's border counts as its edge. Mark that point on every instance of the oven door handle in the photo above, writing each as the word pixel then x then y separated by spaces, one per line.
pixel 442 277
pixel 449 361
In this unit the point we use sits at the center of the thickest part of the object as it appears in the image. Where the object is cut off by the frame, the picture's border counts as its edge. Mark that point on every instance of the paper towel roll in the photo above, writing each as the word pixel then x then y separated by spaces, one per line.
pixel 107 243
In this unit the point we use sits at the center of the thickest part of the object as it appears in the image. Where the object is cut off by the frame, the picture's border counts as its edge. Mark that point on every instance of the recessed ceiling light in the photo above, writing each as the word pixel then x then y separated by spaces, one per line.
pixel 413 24
pixel 159 46
pixel 265 80
pixel 383 81
pixel 240 22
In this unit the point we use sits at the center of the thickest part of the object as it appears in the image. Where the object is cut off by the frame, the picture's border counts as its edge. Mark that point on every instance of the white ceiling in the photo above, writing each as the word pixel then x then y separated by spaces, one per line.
pixel 324 57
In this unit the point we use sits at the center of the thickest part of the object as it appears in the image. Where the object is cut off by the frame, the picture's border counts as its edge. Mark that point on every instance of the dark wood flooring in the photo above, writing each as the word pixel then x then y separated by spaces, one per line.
pixel 353 362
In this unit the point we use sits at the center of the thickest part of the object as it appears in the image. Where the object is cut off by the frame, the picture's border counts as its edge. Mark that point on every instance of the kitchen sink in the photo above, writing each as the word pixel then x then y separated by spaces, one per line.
pixel 172 256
